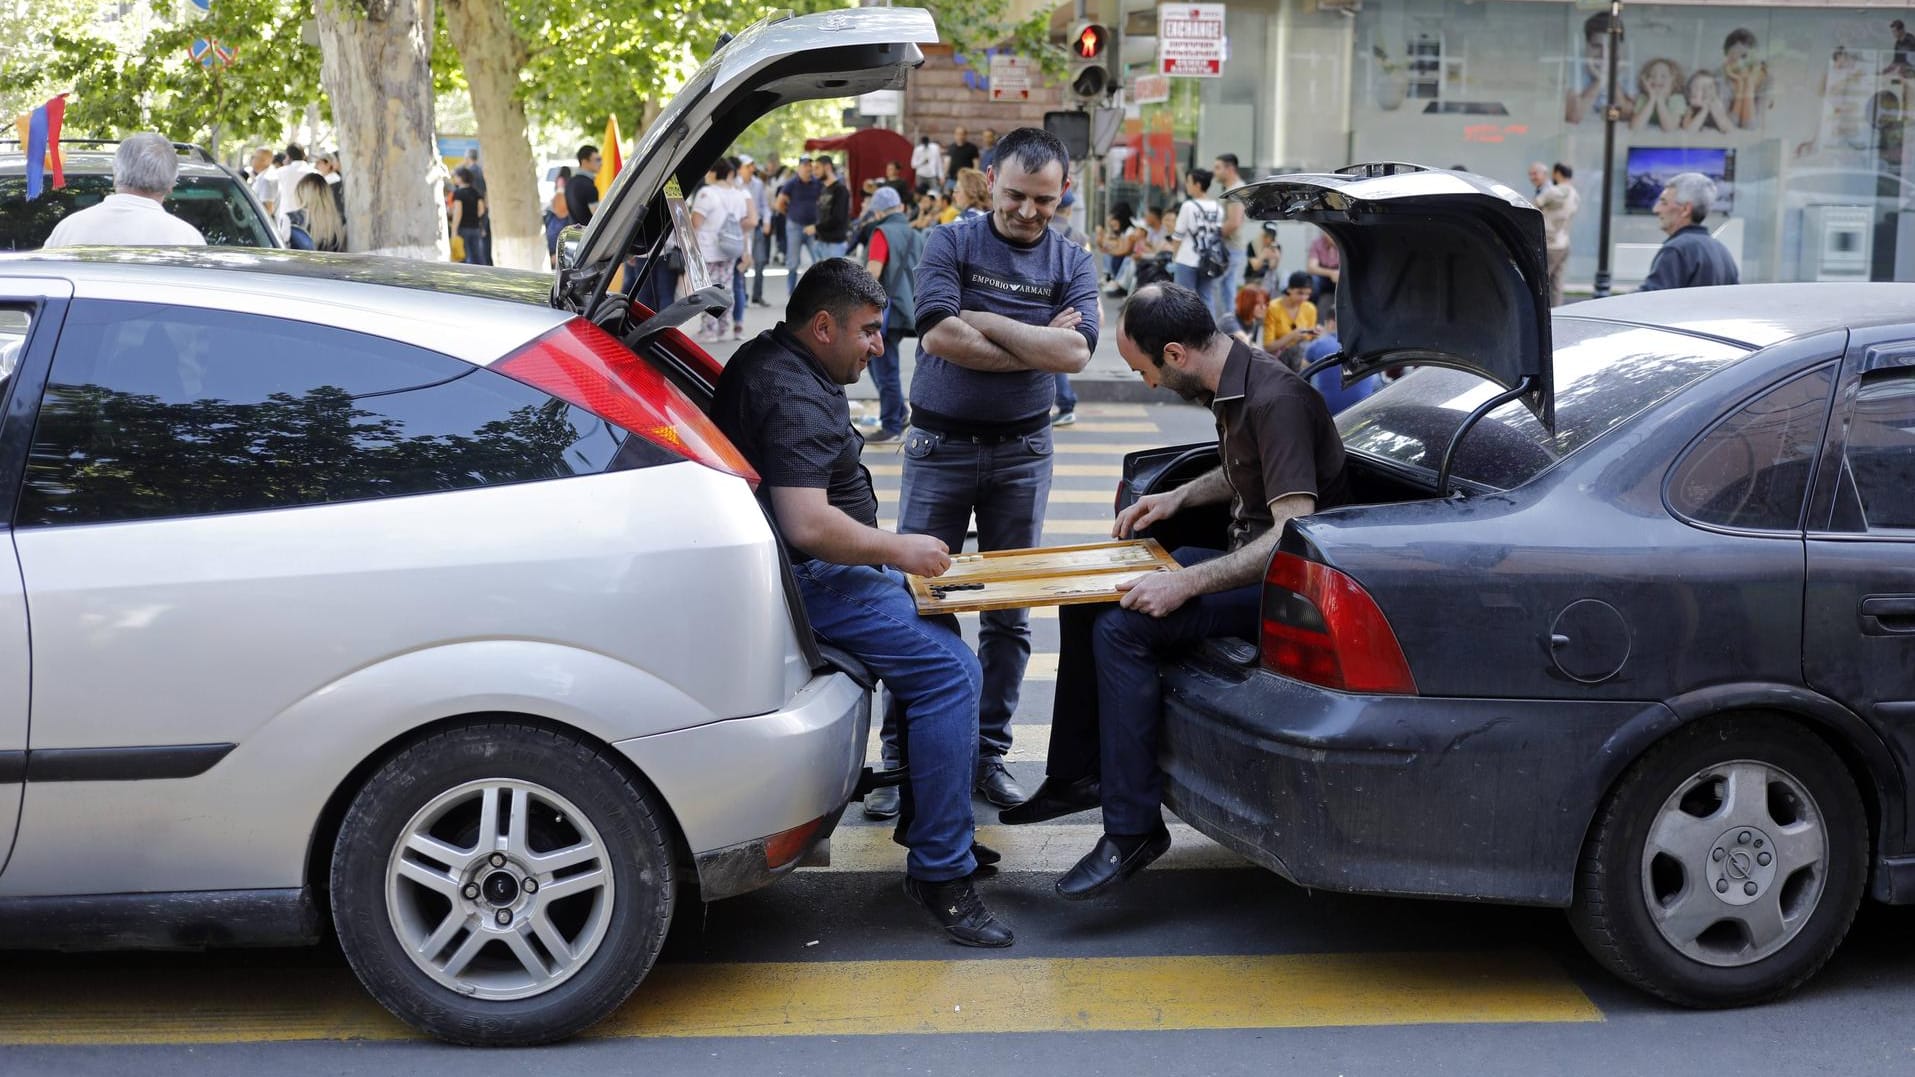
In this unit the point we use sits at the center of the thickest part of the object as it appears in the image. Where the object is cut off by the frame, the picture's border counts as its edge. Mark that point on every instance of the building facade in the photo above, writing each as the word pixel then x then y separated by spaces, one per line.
pixel 1799 109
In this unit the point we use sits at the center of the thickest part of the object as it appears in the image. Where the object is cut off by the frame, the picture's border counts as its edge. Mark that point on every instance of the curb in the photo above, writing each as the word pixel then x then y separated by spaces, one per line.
pixel 1129 389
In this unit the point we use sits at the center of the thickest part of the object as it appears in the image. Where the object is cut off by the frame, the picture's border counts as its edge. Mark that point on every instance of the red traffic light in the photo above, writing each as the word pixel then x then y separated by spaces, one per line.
pixel 1090 41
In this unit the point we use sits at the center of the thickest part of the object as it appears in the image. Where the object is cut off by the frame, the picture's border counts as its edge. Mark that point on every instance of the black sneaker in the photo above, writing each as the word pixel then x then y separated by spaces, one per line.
pixel 957 908
pixel 883 437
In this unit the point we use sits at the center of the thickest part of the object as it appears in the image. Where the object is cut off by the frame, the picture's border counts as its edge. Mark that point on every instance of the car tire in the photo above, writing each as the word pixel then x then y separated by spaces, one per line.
pixel 1674 893
pixel 528 935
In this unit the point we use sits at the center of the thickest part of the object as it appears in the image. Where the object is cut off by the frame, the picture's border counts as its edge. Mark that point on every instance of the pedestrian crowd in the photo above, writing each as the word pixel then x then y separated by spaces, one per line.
pixel 303 195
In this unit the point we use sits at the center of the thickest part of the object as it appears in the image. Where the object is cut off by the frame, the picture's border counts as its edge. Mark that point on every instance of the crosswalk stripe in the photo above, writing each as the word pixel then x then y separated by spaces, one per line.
pixel 1098 426
pixel 1030 741
pixel 1116 449
pixel 857 998
pixel 1049 848
pixel 1098 528
pixel 1083 497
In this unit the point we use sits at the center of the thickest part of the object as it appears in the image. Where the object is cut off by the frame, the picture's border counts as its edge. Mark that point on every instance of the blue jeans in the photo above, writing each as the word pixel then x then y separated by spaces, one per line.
pixel 947 478
pixel 1066 398
pixel 820 250
pixel 928 670
pixel 887 375
pixel 1189 278
pixel 1232 279
pixel 474 240
pixel 1109 704
pixel 797 249
pixel 738 292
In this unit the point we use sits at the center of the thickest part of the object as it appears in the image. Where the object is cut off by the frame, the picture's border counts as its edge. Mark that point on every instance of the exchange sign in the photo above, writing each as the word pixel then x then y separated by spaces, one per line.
pixel 1190 40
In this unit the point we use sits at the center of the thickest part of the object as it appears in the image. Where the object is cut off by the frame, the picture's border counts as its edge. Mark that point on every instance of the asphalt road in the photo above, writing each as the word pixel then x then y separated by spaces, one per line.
pixel 1201 965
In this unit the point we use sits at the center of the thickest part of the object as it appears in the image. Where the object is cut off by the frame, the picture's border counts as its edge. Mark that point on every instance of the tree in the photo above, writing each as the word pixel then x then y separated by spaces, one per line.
pixel 153 84
pixel 377 71
pixel 492 54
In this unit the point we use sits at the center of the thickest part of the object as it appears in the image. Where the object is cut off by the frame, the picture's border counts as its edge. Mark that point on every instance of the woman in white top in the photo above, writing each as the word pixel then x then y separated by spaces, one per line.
pixel 1197 215
pixel 721 218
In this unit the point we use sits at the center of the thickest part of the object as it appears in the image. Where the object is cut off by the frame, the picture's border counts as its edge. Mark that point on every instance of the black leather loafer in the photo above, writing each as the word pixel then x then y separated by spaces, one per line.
pixel 1054 799
pixel 1110 863
pixel 957 908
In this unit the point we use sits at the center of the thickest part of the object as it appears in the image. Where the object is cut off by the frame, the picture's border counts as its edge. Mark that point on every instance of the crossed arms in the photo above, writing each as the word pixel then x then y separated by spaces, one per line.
pixel 980 340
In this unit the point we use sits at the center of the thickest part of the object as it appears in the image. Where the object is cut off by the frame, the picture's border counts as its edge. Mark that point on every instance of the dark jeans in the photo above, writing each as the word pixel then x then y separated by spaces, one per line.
pixel 1066 398
pixel 887 375
pixel 1193 280
pixel 1109 705
pixel 738 292
pixel 760 257
pixel 1007 484
pixel 932 675
pixel 474 240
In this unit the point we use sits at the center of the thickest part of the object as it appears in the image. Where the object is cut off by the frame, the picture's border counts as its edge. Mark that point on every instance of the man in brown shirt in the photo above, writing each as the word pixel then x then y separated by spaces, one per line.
pixel 1282 458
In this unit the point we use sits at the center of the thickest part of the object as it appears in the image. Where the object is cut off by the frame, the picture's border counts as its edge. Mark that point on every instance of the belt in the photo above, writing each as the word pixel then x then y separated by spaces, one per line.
pixel 1016 432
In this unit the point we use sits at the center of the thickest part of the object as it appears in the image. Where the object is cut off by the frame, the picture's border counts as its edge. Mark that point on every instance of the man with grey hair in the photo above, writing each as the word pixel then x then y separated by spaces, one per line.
pixel 1690 257
pixel 144 170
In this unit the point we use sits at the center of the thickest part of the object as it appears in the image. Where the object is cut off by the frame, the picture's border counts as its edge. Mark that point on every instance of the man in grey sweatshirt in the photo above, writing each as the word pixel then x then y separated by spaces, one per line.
pixel 1003 304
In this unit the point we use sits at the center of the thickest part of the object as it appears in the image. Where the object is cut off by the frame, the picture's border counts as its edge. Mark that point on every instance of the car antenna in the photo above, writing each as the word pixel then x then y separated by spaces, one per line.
pixel 1456 440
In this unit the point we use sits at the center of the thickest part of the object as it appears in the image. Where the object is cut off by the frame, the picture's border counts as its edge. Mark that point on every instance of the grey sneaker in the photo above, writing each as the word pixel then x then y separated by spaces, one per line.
pixel 1065 418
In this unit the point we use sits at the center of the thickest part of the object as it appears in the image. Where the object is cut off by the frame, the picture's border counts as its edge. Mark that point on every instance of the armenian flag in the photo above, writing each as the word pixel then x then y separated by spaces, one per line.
pixel 40 137
pixel 611 159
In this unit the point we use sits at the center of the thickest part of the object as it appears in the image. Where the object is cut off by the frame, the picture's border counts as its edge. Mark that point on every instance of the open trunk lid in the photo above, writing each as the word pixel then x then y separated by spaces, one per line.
pixel 1439 268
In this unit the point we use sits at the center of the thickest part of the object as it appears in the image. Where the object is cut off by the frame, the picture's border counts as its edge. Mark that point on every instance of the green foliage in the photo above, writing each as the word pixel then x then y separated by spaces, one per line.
pixel 784 131
pixel 971 26
pixel 157 86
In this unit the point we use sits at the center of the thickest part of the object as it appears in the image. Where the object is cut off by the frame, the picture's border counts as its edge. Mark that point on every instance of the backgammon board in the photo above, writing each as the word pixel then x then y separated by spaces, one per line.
pixel 1050 576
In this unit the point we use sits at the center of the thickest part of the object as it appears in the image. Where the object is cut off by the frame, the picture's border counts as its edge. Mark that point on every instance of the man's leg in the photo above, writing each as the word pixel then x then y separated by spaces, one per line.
pixel 738 296
pixel 1184 275
pixel 797 244
pixel 1066 398
pixel 926 666
pixel 1010 516
pixel 1226 298
pixel 1127 648
pixel 885 375
pixel 1556 260
pixel 760 257
pixel 1071 765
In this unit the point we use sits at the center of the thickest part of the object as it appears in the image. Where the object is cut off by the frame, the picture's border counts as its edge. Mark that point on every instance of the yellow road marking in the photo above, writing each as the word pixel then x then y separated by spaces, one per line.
pixel 852 998
pixel 1113 448
pixel 1083 497
pixel 1051 848
pixel 1099 528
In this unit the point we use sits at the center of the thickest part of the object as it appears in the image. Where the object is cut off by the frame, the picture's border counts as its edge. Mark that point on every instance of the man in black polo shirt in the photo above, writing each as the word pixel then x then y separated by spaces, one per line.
pixel 781 401
pixel 1282 458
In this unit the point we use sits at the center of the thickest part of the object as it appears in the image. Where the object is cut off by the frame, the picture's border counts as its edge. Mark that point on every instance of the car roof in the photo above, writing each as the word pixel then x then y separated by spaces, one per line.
pixel 1757 315
pixel 479 314
pixel 94 163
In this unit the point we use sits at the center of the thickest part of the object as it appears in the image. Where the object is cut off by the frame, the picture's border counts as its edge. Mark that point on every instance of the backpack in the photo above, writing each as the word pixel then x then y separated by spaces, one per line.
pixel 731 236
pixel 1213 255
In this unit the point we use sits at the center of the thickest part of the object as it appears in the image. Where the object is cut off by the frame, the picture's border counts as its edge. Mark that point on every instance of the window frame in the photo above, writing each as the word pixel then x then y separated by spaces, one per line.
pixel 47 300
pixel 1869 351
pixel 1729 414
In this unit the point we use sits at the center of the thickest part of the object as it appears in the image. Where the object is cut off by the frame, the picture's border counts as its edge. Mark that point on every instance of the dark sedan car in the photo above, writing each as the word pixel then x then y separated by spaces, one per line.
pixel 1652 657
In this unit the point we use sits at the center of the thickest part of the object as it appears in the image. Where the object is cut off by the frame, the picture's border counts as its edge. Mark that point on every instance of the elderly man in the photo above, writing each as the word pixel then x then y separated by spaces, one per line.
pixel 781 401
pixel 134 215
pixel 1690 257
pixel 1282 459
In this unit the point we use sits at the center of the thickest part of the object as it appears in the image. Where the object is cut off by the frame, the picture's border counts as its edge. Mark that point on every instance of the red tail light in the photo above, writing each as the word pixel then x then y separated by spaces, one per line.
pixel 682 347
pixel 1319 626
pixel 587 367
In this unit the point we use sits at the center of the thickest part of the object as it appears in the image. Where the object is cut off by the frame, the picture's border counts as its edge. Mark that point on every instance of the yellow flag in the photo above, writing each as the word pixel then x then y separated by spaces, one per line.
pixel 611 159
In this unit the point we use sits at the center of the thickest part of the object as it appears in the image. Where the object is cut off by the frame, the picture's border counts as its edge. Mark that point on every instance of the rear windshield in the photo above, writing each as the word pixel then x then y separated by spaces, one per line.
pixel 212 204
pixel 1605 372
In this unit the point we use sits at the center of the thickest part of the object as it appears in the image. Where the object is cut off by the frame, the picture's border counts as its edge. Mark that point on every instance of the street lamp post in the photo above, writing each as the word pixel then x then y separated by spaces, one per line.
pixel 1610 115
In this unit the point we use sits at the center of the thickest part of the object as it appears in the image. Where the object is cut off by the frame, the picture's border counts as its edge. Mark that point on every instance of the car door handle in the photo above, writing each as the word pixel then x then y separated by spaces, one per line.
pixel 1888 615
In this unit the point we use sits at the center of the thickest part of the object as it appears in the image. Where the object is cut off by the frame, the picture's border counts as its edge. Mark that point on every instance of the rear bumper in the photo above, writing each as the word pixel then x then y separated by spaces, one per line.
pixel 1484 799
pixel 736 785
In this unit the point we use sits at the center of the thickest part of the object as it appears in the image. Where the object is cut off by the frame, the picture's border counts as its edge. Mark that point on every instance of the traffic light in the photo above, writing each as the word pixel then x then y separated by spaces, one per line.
pixel 1090 45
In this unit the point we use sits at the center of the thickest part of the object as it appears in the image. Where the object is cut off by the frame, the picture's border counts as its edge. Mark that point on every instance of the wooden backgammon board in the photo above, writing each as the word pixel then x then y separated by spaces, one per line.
pixel 1051 576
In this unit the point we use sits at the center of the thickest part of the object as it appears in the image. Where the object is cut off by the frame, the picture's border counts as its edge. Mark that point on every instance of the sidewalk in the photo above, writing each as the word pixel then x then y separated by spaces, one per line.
pixel 1107 379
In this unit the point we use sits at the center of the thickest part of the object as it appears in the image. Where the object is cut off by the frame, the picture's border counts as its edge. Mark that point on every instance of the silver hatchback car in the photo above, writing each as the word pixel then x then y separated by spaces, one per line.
pixel 421 598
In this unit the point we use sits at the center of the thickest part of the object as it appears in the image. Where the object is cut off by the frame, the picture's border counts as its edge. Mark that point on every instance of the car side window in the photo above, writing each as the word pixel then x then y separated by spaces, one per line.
pixel 1752 471
pixel 1878 465
pixel 155 411
pixel 14 323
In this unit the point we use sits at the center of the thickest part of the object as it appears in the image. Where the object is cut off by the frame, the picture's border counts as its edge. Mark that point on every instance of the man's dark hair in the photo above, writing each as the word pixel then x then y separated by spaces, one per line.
pixel 295 151
pixel 463 175
pixel 837 285
pixel 1201 177
pixel 1566 171
pixel 1160 314
pixel 587 152
pixel 1896 26
pixel 721 169
pixel 1034 149
pixel 279 158
pixel 1299 279
pixel 1739 36
pixel 1229 159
